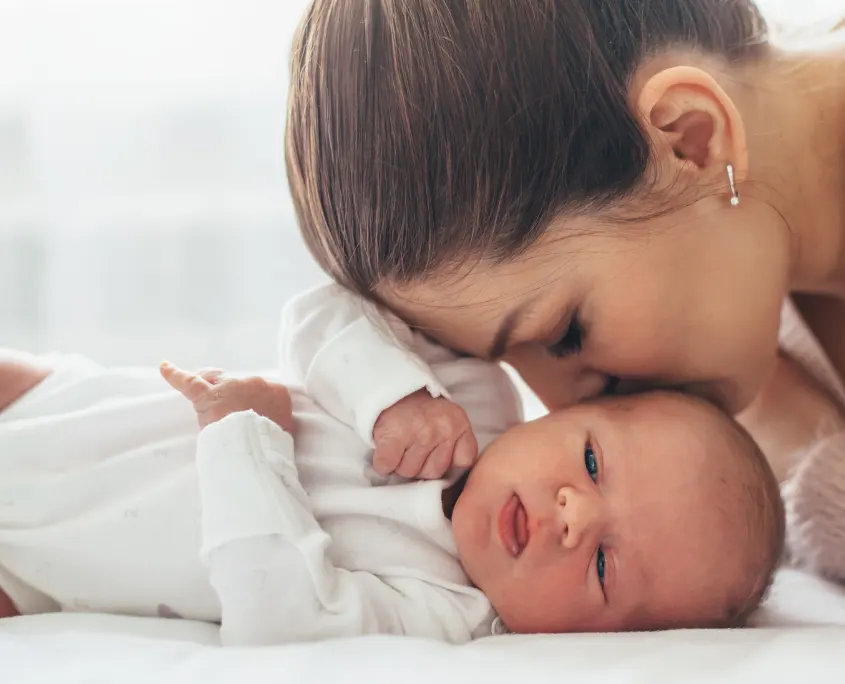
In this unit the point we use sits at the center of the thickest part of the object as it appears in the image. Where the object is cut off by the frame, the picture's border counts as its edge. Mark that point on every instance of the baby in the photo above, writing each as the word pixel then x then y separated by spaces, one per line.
pixel 277 519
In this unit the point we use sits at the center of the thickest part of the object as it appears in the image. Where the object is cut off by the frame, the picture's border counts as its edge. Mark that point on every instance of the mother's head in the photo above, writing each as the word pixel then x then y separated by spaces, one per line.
pixel 546 182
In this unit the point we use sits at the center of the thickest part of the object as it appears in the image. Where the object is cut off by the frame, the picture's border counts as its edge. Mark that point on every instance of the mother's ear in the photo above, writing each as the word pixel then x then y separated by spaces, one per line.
pixel 693 125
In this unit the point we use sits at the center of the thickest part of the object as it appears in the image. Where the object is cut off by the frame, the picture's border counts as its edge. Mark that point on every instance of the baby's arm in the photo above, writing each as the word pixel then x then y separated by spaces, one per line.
pixel 268 556
pixel 356 361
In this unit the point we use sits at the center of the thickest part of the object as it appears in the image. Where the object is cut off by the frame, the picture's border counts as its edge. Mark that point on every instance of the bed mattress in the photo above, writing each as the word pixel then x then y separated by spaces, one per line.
pixel 799 633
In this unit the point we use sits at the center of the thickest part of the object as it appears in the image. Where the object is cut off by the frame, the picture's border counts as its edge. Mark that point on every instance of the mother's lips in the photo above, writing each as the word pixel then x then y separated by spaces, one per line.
pixel 513 526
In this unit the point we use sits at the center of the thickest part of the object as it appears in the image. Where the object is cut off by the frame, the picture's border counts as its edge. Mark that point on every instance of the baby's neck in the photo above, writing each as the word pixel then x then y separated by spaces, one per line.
pixel 450 495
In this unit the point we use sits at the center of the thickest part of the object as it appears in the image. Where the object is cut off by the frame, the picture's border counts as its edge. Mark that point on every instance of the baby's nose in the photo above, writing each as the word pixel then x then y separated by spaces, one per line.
pixel 578 514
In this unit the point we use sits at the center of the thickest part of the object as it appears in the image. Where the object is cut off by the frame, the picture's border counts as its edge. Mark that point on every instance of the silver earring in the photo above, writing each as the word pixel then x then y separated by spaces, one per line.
pixel 498 627
pixel 732 183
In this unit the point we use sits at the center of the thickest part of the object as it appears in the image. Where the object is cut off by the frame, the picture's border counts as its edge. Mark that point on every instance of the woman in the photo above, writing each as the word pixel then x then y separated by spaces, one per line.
pixel 607 195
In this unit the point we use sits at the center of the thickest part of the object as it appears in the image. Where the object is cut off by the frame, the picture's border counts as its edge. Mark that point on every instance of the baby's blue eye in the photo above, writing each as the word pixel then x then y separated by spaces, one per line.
pixel 600 567
pixel 591 462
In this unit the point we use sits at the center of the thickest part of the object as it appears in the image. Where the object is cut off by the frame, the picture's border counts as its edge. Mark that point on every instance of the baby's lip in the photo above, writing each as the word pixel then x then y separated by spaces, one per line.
pixel 513 526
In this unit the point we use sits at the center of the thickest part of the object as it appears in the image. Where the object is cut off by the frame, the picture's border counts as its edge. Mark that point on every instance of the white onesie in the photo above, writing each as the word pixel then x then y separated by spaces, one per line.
pixel 112 501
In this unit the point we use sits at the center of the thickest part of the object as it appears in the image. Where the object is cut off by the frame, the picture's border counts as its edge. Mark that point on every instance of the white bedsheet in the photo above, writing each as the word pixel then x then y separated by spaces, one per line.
pixel 802 634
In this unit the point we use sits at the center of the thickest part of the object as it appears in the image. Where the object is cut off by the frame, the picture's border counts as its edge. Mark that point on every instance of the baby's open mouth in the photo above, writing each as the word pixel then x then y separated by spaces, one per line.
pixel 513 526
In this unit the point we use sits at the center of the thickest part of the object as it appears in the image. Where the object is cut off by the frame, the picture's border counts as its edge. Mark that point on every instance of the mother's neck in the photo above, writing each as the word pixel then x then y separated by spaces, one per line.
pixel 793 108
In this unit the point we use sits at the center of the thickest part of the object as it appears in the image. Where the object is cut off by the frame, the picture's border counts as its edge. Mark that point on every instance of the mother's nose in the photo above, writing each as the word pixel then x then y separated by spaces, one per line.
pixel 579 514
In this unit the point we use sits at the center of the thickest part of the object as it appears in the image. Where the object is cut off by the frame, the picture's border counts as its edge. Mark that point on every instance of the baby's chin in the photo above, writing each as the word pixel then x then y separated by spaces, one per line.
pixel 471 531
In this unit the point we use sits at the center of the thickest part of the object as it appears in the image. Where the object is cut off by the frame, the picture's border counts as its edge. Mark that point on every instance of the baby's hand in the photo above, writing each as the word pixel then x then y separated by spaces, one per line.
pixel 215 396
pixel 421 436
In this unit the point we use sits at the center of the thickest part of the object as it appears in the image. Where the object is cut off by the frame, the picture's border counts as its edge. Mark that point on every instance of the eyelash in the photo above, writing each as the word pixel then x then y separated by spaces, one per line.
pixel 592 465
pixel 572 340
pixel 600 567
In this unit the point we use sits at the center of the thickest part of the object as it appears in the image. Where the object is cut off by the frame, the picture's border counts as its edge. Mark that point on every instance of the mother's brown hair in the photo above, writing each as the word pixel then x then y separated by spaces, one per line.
pixel 425 132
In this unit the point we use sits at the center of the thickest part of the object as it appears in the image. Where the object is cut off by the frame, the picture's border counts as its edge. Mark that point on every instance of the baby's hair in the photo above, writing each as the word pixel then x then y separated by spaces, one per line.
pixel 766 526
pixel 422 133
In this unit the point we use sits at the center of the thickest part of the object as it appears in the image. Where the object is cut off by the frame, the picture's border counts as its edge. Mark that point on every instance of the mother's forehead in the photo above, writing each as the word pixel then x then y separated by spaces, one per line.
pixel 557 258
pixel 470 310
pixel 482 288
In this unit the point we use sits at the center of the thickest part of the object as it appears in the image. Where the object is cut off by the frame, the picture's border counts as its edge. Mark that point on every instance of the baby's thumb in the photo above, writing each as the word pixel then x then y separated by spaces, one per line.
pixel 466 450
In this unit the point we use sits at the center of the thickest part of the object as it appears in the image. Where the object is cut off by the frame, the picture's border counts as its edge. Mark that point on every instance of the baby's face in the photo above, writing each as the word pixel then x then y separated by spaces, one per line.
pixel 599 518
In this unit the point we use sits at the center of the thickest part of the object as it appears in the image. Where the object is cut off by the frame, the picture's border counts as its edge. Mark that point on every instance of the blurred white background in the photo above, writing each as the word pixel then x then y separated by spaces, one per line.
pixel 144 211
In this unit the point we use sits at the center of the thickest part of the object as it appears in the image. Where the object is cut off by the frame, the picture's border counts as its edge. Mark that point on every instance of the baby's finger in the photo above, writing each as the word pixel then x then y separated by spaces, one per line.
pixel 413 460
pixel 437 463
pixel 466 450
pixel 191 386
pixel 387 456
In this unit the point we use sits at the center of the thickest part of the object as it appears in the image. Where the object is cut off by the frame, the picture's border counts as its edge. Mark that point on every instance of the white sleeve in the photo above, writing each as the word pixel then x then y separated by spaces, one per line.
pixel 351 357
pixel 267 554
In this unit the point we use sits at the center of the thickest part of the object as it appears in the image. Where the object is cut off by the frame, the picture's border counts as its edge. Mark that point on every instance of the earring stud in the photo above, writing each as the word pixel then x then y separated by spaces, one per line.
pixel 732 183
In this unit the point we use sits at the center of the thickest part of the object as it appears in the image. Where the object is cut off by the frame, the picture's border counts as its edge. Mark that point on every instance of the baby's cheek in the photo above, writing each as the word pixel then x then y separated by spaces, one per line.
pixel 546 603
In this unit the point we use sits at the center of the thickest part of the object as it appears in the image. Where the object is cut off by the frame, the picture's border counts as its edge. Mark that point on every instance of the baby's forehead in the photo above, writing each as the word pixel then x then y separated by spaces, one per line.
pixel 669 404
pixel 686 420
pixel 682 453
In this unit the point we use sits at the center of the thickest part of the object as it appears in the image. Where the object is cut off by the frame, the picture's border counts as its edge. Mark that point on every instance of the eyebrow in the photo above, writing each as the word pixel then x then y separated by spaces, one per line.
pixel 502 340
pixel 503 335
pixel 511 321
